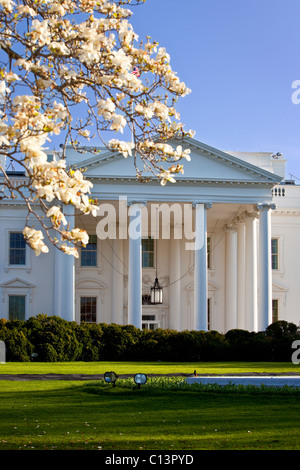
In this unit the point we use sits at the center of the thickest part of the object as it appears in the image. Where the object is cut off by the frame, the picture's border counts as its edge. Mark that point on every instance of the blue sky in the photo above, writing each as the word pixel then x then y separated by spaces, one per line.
pixel 240 58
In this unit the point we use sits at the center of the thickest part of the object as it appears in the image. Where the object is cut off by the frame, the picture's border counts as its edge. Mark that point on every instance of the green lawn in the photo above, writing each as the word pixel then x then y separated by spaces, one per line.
pixel 91 415
pixel 146 367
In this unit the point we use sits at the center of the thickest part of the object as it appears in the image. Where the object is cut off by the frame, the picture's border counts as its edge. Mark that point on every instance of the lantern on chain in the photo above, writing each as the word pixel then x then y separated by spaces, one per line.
pixel 156 289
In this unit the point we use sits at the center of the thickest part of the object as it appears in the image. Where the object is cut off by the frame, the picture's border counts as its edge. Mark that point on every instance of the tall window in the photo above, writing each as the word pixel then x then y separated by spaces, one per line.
pixel 208 315
pixel 88 309
pixel 275 310
pixel 148 252
pixel 17 248
pixel 89 252
pixel 275 253
pixel 16 307
pixel 208 253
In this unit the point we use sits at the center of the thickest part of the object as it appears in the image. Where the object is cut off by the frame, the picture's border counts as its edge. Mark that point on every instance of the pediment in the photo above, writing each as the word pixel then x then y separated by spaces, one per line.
pixel 278 288
pixel 17 283
pixel 207 165
pixel 90 284
pixel 212 287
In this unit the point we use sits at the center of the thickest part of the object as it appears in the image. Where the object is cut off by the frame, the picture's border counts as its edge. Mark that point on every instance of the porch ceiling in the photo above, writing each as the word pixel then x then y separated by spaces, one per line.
pixel 219 215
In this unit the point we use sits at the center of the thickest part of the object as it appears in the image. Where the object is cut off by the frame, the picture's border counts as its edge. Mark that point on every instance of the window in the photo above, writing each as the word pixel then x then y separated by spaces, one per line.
pixel 208 315
pixel 208 254
pixel 274 310
pixel 275 253
pixel 16 307
pixel 88 309
pixel 149 322
pixel 17 249
pixel 89 252
pixel 148 252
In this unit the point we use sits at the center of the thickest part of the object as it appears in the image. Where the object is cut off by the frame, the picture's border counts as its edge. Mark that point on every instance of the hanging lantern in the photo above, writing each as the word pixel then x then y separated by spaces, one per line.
pixel 156 290
pixel 156 293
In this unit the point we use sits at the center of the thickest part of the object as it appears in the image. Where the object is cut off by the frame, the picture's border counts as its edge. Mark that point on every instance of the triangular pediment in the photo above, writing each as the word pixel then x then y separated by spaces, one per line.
pixel 207 165
pixel 279 288
pixel 17 283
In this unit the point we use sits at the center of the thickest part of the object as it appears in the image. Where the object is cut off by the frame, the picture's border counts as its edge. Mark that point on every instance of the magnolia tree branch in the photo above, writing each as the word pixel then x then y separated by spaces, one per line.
pixel 63 58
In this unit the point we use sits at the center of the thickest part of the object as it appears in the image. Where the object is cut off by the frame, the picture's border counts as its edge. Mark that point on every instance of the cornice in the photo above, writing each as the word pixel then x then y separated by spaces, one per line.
pixel 227 157
pixel 287 211
pixel 216 181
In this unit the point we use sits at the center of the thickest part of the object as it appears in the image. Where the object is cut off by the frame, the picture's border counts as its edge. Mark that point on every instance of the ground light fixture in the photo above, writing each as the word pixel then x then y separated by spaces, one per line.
pixel 110 378
pixel 140 379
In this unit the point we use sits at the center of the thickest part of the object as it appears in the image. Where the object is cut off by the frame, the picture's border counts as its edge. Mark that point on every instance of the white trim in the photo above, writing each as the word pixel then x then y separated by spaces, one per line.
pixel 17 286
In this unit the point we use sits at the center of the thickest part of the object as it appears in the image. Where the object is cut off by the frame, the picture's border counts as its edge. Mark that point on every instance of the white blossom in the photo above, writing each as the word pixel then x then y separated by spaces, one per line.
pixel 35 240
pixel 62 56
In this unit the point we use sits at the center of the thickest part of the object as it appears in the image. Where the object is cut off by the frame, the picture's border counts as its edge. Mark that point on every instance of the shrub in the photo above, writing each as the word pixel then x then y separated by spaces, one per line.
pixel 54 339
pixel 281 336
pixel 119 341
pixel 239 344
pixel 187 345
pixel 147 347
pixel 89 338
pixel 18 347
pixel 216 347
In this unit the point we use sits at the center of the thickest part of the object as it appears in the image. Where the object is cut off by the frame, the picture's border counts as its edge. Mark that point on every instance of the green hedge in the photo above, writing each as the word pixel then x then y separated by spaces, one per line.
pixel 51 339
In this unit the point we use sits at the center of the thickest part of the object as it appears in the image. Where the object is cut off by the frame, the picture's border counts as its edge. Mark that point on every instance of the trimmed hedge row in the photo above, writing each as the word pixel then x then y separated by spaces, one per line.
pixel 52 339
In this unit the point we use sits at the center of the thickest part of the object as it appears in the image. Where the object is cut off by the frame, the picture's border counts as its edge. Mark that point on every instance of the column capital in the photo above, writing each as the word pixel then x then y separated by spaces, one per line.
pixel 252 215
pixel 207 205
pixel 266 205
pixel 139 203
pixel 230 228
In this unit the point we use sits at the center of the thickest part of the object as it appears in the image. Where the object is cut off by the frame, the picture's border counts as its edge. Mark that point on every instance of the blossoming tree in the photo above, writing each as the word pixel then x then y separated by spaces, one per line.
pixel 66 58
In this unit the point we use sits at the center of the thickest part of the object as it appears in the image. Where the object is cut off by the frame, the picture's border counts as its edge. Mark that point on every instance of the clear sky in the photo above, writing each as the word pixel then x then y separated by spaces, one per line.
pixel 240 58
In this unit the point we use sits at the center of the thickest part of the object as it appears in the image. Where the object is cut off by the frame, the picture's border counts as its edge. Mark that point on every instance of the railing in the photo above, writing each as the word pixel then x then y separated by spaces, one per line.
pixel 278 192
pixel 15 182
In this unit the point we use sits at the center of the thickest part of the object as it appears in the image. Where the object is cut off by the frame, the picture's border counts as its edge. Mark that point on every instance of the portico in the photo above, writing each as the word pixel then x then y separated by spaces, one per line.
pixel 239 254
pixel 211 237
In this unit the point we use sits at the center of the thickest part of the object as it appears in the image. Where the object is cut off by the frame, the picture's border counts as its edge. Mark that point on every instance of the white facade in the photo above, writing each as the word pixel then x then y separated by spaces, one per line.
pixel 246 221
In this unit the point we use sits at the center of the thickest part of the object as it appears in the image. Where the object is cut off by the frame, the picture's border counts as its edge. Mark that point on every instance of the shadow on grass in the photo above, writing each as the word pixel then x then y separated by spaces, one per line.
pixel 94 415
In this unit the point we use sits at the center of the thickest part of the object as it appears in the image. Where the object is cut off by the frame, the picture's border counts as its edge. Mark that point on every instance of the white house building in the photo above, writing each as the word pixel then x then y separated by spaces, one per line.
pixel 222 242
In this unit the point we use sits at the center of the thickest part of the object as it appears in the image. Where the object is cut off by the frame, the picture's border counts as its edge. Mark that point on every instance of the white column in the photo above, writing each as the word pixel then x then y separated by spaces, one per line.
pixel 57 294
pixel 265 266
pixel 231 279
pixel 200 269
pixel 64 281
pixel 175 287
pixel 251 273
pixel 241 274
pixel 135 266
pixel 117 292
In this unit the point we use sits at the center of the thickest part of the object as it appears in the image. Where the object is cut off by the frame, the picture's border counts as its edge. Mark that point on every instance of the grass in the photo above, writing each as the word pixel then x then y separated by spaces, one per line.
pixel 146 367
pixel 165 414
